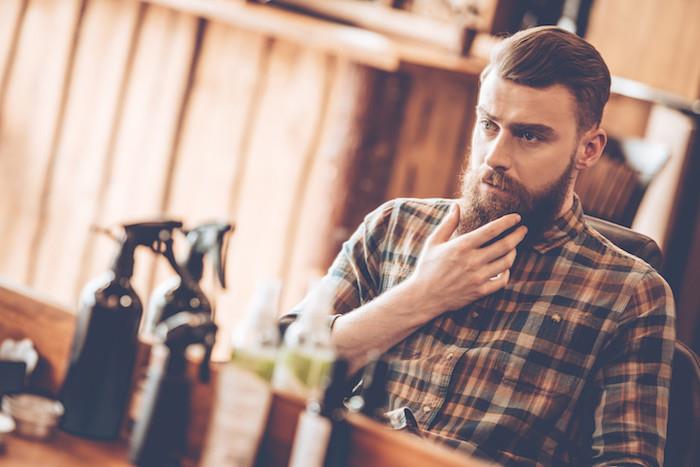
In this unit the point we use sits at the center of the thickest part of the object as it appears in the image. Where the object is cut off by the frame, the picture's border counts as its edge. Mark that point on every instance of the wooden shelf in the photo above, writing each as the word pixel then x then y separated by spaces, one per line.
pixel 357 44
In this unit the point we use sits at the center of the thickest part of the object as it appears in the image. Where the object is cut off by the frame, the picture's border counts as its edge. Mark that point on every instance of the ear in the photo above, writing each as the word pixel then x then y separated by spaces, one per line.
pixel 591 148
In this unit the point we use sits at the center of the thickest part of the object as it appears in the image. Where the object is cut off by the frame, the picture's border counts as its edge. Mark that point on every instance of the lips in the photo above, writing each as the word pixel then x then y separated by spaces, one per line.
pixel 491 186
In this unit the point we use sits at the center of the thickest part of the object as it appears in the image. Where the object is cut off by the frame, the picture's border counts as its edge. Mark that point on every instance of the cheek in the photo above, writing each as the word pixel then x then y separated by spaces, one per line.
pixel 476 152
pixel 539 173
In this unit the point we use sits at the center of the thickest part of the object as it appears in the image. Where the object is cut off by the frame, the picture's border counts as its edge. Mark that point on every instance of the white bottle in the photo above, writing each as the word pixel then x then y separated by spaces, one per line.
pixel 307 353
pixel 255 342
pixel 243 393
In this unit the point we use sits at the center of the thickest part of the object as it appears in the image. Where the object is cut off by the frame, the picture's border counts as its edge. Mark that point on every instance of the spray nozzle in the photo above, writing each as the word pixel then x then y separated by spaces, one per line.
pixel 208 239
pixel 183 330
pixel 158 236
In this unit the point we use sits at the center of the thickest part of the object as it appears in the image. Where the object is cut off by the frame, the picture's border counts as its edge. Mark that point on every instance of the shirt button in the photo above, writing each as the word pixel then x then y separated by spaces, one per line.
pixel 427 408
pixel 475 314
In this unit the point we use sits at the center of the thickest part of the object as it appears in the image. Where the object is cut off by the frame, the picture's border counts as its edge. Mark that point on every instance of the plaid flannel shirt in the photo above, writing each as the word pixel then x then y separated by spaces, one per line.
pixel 569 364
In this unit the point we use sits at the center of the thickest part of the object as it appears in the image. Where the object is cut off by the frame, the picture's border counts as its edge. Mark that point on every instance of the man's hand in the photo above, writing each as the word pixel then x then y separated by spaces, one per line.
pixel 454 272
pixel 451 273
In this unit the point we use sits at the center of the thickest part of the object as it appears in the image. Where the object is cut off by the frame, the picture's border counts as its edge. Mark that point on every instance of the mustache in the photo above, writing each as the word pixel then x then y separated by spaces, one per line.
pixel 497 179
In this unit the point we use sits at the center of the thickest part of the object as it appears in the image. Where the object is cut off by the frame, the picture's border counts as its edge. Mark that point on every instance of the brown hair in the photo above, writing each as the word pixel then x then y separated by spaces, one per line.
pixel 543 56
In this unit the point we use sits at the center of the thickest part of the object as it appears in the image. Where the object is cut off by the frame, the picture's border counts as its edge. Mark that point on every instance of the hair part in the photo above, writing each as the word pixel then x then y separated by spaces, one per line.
pixel 547 55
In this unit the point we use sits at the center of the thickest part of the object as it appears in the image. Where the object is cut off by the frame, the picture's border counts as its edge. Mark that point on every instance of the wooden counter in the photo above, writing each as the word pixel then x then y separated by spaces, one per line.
pixel 371 444
pixel 63 450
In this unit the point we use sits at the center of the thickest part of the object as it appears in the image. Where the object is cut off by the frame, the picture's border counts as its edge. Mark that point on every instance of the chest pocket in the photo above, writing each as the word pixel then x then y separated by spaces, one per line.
pixel 530 375
pixel 539 373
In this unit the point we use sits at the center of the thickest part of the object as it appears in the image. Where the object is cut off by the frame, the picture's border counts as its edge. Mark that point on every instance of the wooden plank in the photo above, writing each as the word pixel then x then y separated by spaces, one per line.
pixel 649 41
pixel 446 35
pixel 24 313
pixel 208 155
pixel 371 444
pixel 357 44
pixel 139 173
pixel 492 16
pixel 352 43
pixel 11 16
pixel 83 150
pixel 281 139
pixel 625 117
pixel 225 90
pixel 431 148
pixel 30 116
pixel 315 235
pixel 64 450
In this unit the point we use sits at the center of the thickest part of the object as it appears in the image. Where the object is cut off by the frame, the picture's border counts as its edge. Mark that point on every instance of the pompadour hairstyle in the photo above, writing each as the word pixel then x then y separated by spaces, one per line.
pixel 547 55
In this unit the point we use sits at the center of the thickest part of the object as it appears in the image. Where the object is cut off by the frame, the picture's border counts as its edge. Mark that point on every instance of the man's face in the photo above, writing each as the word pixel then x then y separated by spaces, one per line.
pixel 523 146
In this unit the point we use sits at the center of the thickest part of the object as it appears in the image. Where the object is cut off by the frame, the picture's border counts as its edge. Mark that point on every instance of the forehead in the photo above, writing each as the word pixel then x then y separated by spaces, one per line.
pixel 508 101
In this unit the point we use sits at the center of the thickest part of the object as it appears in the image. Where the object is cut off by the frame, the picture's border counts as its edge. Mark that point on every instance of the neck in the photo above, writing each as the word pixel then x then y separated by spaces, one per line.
pixel 567 204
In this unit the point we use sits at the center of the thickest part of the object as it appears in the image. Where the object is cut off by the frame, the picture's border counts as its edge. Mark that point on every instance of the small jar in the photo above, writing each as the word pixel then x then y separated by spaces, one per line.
pixel 35 416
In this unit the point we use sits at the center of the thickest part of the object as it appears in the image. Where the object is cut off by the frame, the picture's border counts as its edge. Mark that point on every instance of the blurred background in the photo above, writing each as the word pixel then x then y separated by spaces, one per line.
pixel 294 118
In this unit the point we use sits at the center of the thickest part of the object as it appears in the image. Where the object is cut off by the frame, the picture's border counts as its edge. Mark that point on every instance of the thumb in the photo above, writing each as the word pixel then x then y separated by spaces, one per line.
pixel 444 231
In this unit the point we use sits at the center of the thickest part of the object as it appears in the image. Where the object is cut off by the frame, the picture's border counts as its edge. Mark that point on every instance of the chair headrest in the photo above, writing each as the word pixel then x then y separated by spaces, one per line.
pixel 632 242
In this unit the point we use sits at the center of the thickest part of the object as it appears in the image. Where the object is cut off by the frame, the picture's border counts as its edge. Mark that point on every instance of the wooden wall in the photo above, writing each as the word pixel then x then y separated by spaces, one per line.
pixel 116 110
pixel 650 41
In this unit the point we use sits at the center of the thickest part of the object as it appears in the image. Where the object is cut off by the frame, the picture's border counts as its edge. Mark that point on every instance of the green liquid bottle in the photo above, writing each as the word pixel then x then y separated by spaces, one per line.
pixel 307 353
pixel 255 342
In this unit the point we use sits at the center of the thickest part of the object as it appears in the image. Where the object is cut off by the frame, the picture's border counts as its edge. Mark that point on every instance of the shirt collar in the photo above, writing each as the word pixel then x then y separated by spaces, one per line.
pixel 566 227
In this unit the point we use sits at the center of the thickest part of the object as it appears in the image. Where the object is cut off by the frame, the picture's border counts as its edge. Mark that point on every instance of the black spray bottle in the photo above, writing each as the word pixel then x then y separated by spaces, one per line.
pixel 160 434
pixel 96 389
pixel 177 293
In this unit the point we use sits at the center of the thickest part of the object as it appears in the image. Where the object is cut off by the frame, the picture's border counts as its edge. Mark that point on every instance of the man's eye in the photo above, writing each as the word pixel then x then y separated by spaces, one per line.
pixel 487 125
pixel 529 137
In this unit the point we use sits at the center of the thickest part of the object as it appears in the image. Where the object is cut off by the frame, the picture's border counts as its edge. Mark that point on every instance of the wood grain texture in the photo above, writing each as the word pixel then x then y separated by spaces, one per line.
pixel 435 129
pixel 24 313
pixel 209 158
pixel 83 147
pixel 374 131
pixel 146 131
pixel 315 232
pixel 625 117
pixel 447 35
pixel 649 41
pixel 65 450
pixel 30 115
pixel 363 46
pixel 11 16
pixel 209 152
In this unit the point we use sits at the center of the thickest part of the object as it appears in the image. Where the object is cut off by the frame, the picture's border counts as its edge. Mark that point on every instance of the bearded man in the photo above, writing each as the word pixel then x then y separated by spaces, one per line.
pixel 514 331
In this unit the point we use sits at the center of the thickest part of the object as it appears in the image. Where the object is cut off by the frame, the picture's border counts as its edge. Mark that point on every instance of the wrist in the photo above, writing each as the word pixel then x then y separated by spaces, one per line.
pixel 416 299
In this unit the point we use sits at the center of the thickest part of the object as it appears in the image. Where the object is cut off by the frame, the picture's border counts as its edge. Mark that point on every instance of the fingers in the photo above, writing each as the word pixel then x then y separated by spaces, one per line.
pixel 495 283
pixel 500 265
pixel 504 245
pixel 444 231
pixel 487 232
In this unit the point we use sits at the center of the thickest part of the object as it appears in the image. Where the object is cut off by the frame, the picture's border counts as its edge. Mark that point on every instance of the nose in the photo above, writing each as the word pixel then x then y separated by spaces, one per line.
pixel 498 153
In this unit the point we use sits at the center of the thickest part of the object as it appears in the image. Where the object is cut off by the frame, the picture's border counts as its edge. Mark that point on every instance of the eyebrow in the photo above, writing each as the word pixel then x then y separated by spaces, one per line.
pixel 522 127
